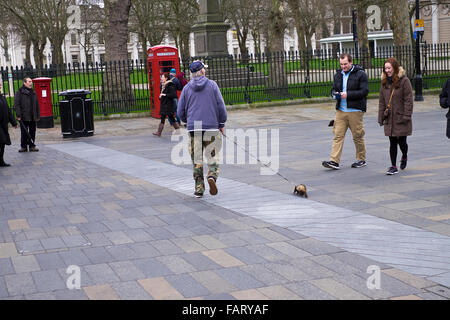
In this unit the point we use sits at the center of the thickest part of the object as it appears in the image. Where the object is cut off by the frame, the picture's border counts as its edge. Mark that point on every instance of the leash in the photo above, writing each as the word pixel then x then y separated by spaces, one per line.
pixel 266 165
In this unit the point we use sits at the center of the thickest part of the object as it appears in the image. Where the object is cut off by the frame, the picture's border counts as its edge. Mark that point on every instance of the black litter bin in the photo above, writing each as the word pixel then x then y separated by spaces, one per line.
pixel 76 111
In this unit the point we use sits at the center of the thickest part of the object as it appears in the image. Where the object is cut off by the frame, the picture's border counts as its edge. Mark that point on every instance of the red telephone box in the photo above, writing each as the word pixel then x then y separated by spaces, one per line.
pixel 43 89
pixel 160 59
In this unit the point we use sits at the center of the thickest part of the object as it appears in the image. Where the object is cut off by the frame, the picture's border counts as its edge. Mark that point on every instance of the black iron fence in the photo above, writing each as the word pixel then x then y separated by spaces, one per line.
pixel 123 87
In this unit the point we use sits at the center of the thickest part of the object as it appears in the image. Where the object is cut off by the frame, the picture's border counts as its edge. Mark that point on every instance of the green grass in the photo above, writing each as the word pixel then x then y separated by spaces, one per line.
pixel 439 58
pixel 314 64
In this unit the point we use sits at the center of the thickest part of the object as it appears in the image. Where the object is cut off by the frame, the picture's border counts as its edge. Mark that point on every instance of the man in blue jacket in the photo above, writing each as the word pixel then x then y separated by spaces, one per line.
pixel 202 107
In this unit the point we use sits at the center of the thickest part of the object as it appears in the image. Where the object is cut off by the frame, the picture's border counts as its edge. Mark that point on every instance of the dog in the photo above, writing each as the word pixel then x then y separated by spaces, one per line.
pixel 300 190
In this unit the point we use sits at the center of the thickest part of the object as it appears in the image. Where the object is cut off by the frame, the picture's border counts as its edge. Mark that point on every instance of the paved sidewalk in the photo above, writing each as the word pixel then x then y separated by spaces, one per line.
pixel 116 206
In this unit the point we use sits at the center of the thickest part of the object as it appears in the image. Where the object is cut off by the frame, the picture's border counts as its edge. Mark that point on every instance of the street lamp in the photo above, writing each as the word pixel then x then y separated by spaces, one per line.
pixel 418 78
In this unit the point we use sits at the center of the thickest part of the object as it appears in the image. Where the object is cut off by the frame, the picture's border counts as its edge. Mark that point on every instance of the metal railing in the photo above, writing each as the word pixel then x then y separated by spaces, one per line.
pixel 122 87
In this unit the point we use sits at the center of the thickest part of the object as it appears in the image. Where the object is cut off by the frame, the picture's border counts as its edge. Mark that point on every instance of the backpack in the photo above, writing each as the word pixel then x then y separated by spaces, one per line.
pixel 182 79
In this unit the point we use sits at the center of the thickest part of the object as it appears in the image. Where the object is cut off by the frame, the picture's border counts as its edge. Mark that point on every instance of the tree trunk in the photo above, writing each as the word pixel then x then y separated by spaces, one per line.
pixel 5 46
pixel 117 91
pixel 185 45
pixel 336 29
pixel 256 42
pixel 278 85
pixel 27 52
pixel 364 57
pixel 57 53
pixel 38 54
pixel 301 44
pixel 401 28
pixel 143 39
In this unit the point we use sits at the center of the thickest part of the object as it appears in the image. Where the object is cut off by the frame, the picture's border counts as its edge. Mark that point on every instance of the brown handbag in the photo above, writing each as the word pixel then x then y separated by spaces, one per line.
pixel 388 109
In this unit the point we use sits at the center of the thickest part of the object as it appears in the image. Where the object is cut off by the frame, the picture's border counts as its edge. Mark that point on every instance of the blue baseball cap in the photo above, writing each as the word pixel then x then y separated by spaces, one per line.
pixel 197 66
pixel 173 71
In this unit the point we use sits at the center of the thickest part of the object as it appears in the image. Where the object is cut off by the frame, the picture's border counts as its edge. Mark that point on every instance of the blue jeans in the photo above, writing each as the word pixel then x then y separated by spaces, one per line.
pixel 175 103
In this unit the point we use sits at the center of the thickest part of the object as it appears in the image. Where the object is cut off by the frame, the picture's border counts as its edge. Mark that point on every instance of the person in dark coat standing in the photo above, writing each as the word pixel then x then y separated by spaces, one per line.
pixel 26 106
pixel 396 96
pixel 444 99
pixel 5 118
pixel 167 108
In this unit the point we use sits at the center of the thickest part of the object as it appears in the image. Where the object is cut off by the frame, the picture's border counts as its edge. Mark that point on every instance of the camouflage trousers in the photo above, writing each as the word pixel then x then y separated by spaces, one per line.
pixel 210 143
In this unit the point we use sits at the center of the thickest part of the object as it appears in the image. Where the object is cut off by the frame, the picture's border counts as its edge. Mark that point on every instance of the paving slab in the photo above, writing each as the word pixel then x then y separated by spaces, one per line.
pixel 121 204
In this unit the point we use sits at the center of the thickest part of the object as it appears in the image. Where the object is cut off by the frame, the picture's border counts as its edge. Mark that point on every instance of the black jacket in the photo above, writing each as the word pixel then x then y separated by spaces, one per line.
pixel 5 118
pixel 357 88
pixel 26 105
pixel 167 107
pixel 444 97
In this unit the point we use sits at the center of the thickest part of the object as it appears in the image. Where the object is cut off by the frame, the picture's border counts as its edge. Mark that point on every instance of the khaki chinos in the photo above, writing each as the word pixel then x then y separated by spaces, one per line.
pixel 343 121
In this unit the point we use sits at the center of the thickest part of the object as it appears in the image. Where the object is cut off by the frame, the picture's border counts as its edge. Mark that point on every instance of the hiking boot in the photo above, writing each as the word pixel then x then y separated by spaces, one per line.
pixel 359 164
pixel 23 150
pixel 34 149
pixel 198 194
pixel 331 165
pixel 212 186
pixel 403 163
pixel 391 171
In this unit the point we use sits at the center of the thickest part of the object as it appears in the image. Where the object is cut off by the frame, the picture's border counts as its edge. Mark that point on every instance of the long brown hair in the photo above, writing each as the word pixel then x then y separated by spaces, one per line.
pixel 395 78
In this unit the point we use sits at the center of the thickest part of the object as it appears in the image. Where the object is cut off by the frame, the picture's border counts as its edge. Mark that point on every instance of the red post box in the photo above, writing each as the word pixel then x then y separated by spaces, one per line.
pixel 160 59
pixel 43 89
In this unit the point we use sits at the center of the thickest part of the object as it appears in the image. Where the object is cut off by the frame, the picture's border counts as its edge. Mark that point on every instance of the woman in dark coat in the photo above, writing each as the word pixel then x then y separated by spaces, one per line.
pixel 5 118
pixel 444 99
pixel 167 108
pixel 396 94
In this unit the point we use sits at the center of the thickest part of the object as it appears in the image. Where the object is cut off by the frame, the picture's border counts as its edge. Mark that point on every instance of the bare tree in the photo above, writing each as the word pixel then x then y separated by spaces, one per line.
pixel 5 31
pixel 148 20
pixel 91 26
pixel 54 18
pixel 182 16
pixel 258 23
pixel 28 18
pixel 307 15
pixel 239 13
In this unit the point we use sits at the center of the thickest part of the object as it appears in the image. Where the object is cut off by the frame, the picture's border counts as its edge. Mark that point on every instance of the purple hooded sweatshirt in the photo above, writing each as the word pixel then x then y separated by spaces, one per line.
pixel 201 100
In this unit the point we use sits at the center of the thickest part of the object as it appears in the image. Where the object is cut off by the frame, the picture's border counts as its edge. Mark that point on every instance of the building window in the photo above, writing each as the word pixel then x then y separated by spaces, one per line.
pixel 89 59
pixel 101 38
pixel 75 62
pixel 73 39
pixel 102 58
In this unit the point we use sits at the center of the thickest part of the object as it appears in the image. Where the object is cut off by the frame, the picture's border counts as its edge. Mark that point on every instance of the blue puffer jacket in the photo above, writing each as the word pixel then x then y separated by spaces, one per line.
pixel 201 100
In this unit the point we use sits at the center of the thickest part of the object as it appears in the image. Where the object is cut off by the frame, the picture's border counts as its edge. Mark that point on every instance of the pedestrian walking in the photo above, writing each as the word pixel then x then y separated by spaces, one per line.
pixel 202 107
pixel 444 99
pixel 395 111
pixel 350 89
pixel 178 86
pixel 168 93
pixel 26 106
pixel 5 118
